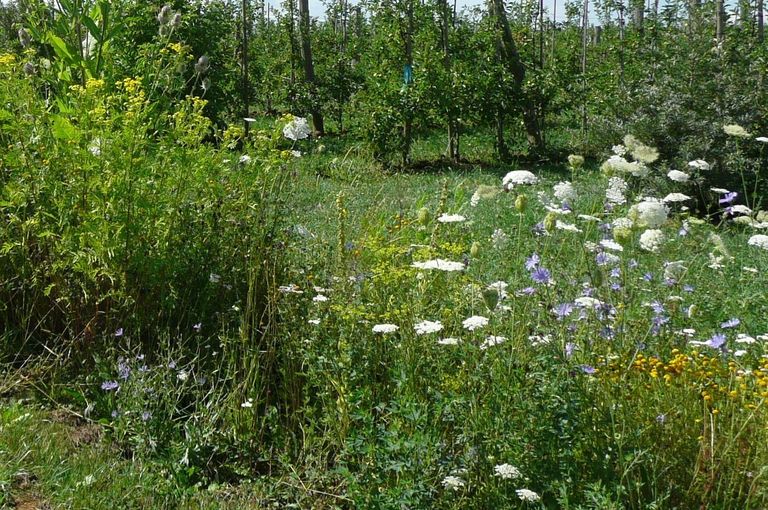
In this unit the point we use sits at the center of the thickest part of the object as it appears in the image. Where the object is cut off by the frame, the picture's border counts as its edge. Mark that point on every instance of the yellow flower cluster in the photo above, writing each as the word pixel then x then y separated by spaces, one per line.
pixel 7 61
pixel 713 377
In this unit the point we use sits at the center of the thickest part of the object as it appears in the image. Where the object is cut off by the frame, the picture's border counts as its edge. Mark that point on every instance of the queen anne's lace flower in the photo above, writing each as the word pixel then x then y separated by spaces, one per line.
pixel 615 192
pixel 453 482
pixel 759 240
pixel 507 472
pixel 439 264
pixel 385 328
pixel 297 129
pixel 451 218
pixel 565 191
pixel 475 322
pixel 527 495
pixel 517 177
pixel 651 240
pixel 676 197
pixel 678 176
pixel 424 327
pixel 649 214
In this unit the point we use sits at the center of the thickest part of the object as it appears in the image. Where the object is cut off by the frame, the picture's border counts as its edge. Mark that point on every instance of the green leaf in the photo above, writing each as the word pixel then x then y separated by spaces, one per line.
pixel 63 129
pixel 60 47
pixel 92 28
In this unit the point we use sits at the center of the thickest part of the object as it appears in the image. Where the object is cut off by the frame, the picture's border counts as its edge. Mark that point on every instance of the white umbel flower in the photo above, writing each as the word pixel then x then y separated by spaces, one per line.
pixel 424 327
pixel 475 322
pixel 517 177
pixel 651 240
pixel 385 328
pixel 759 240
pixel 565 192
pixel 649 214
pixel 615 192
pixel 675 197
pixel 678 176
pixel 527 495
pixel 453 483
pixel 451 218
pixel 297 129
pixel 440 265
pixel 491 341
pixel 507 472
pixel 699 164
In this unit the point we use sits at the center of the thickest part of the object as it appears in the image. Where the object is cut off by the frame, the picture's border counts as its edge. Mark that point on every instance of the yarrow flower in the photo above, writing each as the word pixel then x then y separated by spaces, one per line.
pixel 385 328
pixel 297 129
pixel 506 472
pixel 424 327
pixel 475 322
pixel 527 495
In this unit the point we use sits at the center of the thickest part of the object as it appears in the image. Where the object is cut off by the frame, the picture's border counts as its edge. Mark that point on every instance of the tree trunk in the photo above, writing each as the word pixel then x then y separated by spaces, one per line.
pixel 638 15
pixel 511 59
pixel 245 84
pixel 760 28
pixel 720 20
pixel 309 68
pixel 453 125
pixel 408 123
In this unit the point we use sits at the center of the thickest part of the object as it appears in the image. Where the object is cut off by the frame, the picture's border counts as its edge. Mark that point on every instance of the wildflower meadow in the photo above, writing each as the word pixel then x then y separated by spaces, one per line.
pixel 234 275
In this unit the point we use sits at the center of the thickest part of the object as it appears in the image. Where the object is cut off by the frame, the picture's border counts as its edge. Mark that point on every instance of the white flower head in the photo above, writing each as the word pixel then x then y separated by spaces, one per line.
pixel 674 270
pixel 507 472
pixel 424 327
pixel 492 340
pixel 475 322
pixel 699 164
pixel 453 482
pixel 649 214
pixel 527 495
pixel 736 130
pixel 440 265
pixel 449 341
pixel 385 328
pixel 610 244
pixel 740 209
pixel 517 177
pixel 759 240
pixel 675 197
pixel 763 139
pixel 619 150
pixel 565 192
pixel 451 218
pixel 651 240
pixel 615 192
pixel 297 129
pixel 678 176
pixel 569 227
